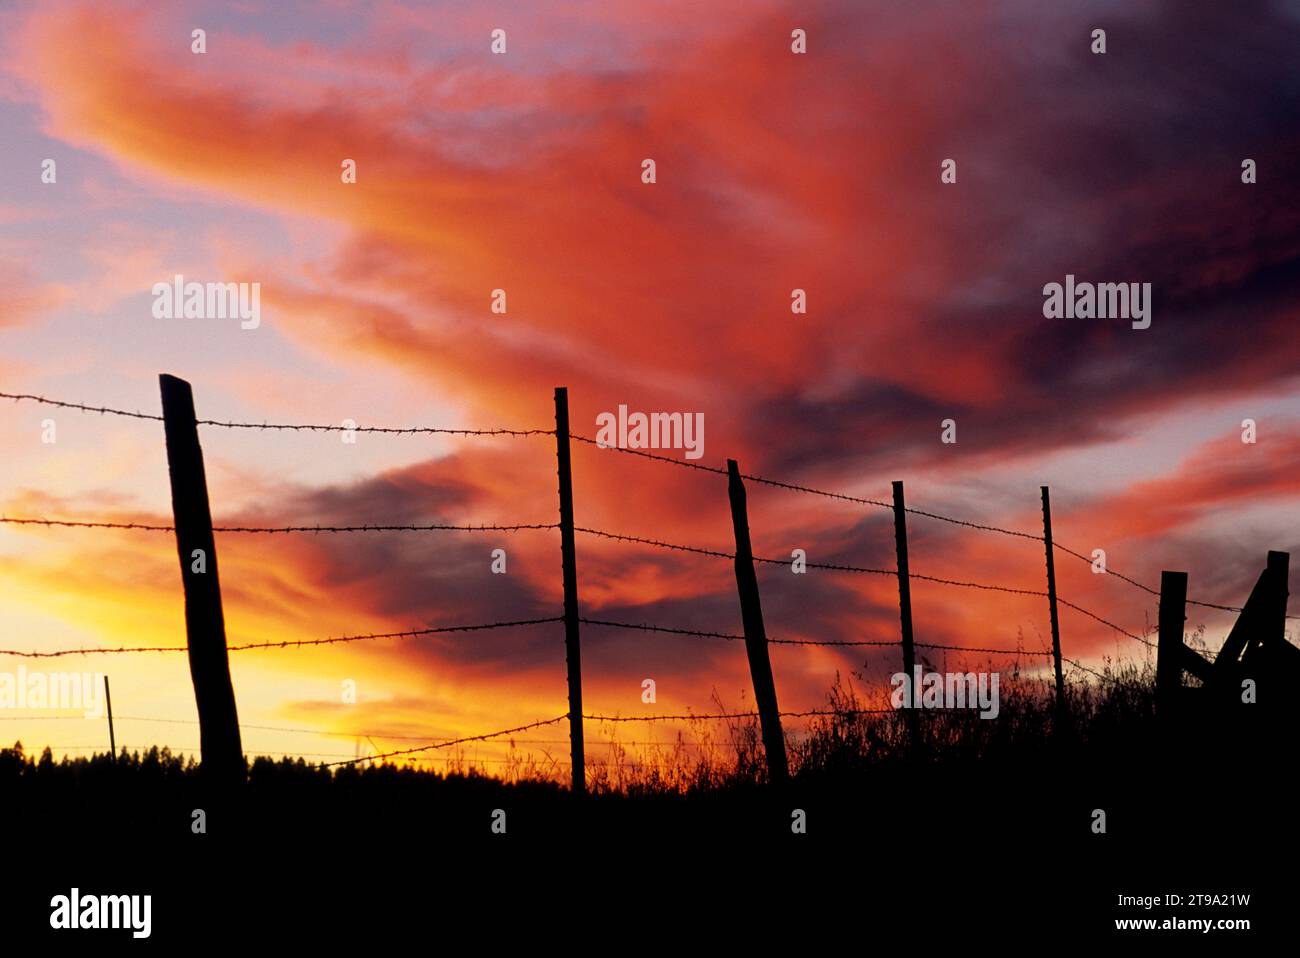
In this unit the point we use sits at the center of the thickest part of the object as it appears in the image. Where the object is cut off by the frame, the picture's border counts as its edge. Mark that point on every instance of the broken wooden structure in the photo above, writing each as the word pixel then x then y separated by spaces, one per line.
pixel 1256 661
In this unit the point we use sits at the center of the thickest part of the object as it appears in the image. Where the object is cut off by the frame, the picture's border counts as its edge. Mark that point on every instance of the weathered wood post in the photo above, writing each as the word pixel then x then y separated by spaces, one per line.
pixel 1262 618
pixel 205 625
pixel 1269 660
pixel 905 613
pixel 751 613
pixel 1273 621
pixel 568 557
pixel 1169 647
pixel 1256 643
pixel 1051 603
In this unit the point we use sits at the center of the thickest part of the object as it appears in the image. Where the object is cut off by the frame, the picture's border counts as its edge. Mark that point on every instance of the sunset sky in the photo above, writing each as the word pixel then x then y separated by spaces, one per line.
pixel 522 171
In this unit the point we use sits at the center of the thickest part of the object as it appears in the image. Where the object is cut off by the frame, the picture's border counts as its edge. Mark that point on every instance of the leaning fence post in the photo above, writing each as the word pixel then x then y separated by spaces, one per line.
pixel 205 626
pixel 751 613
pixel 112 739
pixel 572 651
pixel 905 611
pixel 1275 617
pixel 1051 602
pixel 1169 647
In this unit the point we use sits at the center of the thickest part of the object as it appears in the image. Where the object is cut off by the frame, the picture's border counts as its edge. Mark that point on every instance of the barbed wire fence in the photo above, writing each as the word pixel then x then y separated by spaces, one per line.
pixel 755 635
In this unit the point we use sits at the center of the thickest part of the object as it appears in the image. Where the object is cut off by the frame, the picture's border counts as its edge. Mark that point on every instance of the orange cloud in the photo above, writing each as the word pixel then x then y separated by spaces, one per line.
pixel 25 298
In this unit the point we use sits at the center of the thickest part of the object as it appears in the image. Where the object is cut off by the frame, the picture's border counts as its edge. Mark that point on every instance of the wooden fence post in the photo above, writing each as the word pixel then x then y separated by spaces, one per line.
pixel 1051 603
pixel 905 612
pixel 1270 625
pixel 112 739
pixel 1256 647
pixel 1263 615
pixel 1169 647
pixel 1275 619
pixel 751 613
pixel 568 555
pixel 205 626
pixel 1268 659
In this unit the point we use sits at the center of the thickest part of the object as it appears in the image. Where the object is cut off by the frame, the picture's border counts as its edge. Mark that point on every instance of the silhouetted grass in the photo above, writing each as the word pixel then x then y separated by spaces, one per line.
pixel 1027 770
pixel 707 756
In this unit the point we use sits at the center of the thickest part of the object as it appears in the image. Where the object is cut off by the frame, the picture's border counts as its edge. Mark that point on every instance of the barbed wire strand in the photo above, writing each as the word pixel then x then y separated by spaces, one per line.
pixel 167 721
pixel 388 430
pixel 1080 665
pixel 723 472
pixel 668 743
pixel 456 741
pixel 432 527
pixel 965 648
pixel 1147 589
pixel 717 716
pixel 646 627
pixel 296 427
pixel 180 749
pixel 1092 615
pixel 467 761
pixel 292 643
pixel 102 410
pixel 833 567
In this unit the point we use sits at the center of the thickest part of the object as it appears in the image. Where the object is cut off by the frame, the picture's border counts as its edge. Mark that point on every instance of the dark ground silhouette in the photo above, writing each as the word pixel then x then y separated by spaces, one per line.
pixel 988 823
